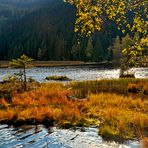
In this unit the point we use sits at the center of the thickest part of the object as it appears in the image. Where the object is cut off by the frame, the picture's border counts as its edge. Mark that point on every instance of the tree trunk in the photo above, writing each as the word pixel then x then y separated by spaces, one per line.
pixel 25 79
pixel 121 73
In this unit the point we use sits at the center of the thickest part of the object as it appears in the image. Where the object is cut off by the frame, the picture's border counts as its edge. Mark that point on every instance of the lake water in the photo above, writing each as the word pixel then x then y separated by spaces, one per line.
pixel 41 137
pixel 78 73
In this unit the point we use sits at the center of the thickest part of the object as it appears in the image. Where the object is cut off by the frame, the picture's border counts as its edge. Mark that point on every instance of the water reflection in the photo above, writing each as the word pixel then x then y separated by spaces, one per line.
pixel 74 73
pixel 41 137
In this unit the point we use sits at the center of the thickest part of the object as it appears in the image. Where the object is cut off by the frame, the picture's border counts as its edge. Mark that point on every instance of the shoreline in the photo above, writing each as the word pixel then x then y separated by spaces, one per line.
pixel 5 64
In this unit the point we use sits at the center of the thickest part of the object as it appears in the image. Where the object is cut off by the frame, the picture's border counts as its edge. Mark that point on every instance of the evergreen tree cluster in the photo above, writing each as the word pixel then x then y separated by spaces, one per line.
pixel 47 33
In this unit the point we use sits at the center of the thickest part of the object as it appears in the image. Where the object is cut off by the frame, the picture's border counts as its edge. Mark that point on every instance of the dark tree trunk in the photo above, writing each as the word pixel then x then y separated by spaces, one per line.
pixel 25 79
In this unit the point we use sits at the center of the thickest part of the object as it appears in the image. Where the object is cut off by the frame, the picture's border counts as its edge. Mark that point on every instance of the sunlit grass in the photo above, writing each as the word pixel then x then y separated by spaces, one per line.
pixel 118 116
pixel 121 117
pixel 120 86
pixel 50 101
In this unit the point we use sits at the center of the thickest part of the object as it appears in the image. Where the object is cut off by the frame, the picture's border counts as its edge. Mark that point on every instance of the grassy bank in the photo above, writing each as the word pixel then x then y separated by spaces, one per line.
pixel 119 107
pixel 5 64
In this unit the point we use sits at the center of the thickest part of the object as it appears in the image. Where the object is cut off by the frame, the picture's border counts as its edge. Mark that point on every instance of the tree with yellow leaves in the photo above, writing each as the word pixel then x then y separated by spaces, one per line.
pixel 91 14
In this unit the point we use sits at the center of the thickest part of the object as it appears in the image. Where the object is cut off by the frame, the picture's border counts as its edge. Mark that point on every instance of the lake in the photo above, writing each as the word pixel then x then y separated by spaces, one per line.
pixel 78 73
pixel 42 137
pixel 52 137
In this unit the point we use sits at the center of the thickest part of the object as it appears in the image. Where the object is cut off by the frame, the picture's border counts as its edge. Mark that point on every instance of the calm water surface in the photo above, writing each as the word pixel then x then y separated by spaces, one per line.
pixel 74 73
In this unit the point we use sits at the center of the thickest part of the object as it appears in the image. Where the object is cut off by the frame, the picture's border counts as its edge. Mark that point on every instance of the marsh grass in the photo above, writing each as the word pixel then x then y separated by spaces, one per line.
pixel 118 116
pixel 9 88
pixel 47 103
pixel 144 142
pixel 119 86
pixel 121 117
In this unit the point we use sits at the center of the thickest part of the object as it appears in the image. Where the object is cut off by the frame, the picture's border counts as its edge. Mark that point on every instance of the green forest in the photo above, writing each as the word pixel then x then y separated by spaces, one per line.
pixel 46 32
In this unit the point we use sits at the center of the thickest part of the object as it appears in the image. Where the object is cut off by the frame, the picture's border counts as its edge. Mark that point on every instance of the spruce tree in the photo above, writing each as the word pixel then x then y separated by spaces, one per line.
pixel 23 63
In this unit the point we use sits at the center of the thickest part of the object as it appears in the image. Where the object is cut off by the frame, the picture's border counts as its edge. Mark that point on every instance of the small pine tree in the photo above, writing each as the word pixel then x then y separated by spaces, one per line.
pixel 23 63
pixel 127 60
pixel 98 51
pixel 75 51
pixel 110 53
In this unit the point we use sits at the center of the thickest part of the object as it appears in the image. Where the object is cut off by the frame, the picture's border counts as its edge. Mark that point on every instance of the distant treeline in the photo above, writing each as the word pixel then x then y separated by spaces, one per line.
pixel 46 33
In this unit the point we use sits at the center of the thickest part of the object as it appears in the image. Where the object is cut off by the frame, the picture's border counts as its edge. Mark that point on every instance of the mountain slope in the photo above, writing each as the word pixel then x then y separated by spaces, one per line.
pixel 40 29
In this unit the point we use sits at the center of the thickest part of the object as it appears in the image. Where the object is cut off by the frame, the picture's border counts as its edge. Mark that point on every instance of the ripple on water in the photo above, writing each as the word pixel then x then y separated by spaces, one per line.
pixel 74 73
pixel 40 137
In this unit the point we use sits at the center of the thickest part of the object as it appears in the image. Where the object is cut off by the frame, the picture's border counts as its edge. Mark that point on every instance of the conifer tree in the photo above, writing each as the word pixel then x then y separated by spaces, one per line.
pixel 23 63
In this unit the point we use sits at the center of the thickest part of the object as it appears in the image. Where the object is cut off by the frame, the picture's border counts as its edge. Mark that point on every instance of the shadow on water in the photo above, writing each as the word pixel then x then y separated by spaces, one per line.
pixel 52 137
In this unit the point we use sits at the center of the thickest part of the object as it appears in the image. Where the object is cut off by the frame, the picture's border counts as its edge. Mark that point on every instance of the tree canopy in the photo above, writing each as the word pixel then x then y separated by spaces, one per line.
pixel 91 14
pixel 130 16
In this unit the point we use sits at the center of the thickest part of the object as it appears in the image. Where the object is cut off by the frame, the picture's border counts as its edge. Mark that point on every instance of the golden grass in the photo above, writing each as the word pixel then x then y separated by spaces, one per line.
pixel 120 86
pixel 121 117
pixel 144 142
pixel 50 101
pixel 3 103
pixel 118 116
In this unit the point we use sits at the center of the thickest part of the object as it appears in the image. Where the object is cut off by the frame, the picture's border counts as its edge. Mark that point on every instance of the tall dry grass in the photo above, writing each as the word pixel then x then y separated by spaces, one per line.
pixel 118 116
pixel 120 86
pixel 121 117
pixel 49 102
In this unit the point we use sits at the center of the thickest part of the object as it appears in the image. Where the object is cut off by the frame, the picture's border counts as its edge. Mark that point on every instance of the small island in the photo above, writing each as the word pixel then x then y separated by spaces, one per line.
pixel 58 78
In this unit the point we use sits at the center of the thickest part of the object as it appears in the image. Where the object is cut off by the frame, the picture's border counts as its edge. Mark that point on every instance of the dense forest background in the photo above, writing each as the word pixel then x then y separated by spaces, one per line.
pixel 43 30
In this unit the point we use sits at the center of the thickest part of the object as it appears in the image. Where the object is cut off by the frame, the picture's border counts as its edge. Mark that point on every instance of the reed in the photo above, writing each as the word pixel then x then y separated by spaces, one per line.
pixel 118 116
pixel 120 86
pixel 121 117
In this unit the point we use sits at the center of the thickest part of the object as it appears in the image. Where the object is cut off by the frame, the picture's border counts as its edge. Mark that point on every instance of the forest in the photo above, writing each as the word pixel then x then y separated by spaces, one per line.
pixel 45 31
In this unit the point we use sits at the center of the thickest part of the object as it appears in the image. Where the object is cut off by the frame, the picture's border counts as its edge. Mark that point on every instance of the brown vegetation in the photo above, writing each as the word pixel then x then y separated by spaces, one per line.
pixel 119 86
pixel 118 116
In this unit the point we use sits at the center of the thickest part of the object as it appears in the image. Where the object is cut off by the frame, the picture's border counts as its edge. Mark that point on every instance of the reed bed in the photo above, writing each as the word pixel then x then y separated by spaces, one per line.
pixel 117 115
pixel 120 86
pixel 120 117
